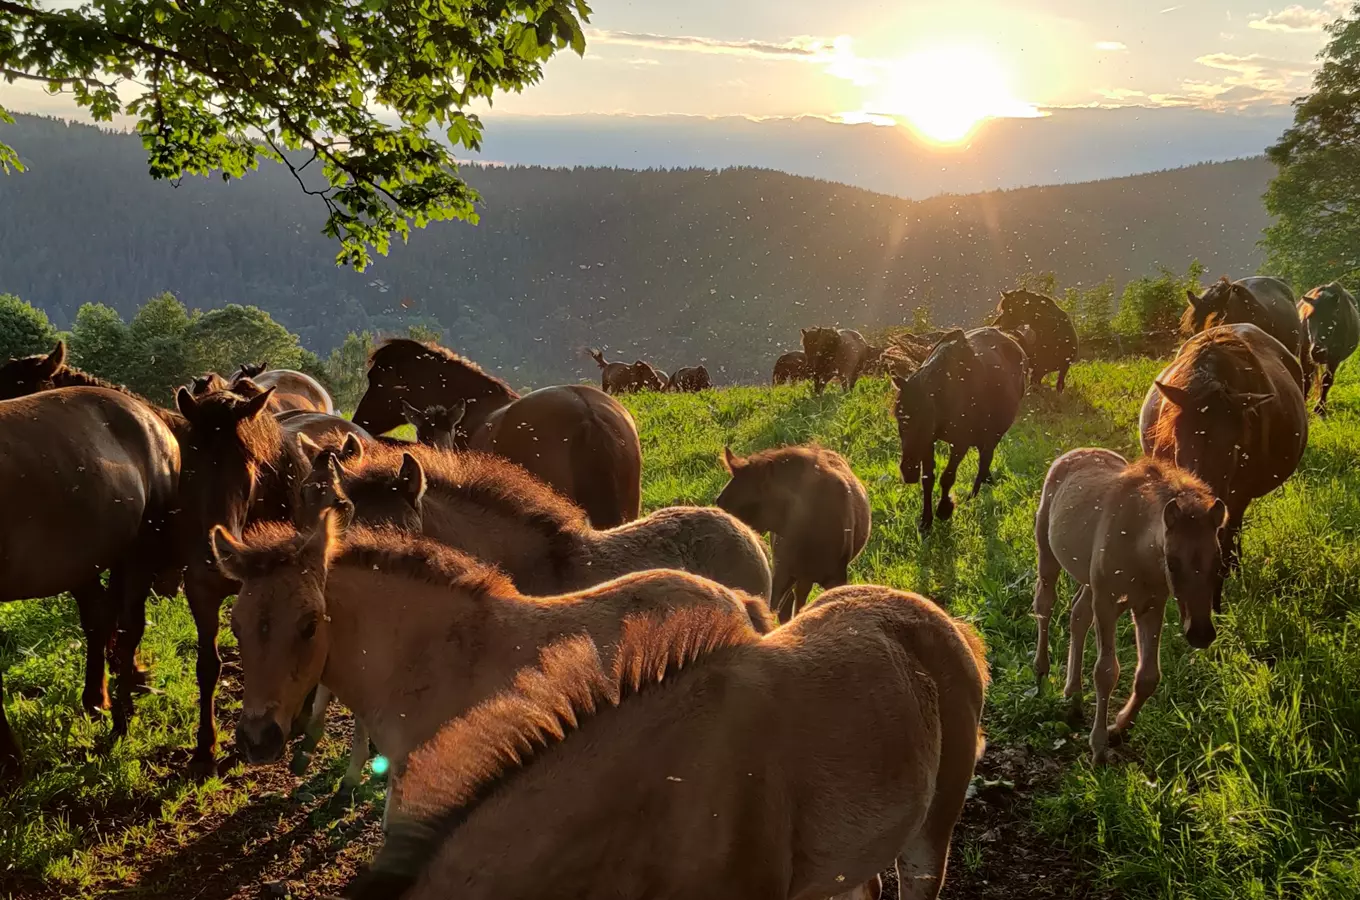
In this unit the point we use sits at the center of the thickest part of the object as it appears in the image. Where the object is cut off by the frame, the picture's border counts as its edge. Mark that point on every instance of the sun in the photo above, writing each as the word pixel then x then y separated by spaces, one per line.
pixel 944 93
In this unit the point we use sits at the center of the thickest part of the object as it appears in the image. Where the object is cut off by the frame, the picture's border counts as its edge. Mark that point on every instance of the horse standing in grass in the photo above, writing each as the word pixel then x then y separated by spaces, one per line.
pixel 89 481
pixel 967 394
pixel 573 437
pixel 408 633
pixel 1268 303
pixel 813 506
pixel 1331 332
pixel 834 353
pixel 1051 342
pixel 689 380
pixel 791 367
pixel 1128 534
pixel 698 760
pixel 1230 409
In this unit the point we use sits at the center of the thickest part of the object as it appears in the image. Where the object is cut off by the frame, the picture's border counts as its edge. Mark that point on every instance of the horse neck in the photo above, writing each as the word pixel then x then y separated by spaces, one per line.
pixel 1213 459
pixel 279 481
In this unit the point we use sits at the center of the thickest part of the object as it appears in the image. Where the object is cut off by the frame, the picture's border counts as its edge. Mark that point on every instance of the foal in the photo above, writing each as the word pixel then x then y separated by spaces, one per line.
pixel 436 426
pixel 1129 534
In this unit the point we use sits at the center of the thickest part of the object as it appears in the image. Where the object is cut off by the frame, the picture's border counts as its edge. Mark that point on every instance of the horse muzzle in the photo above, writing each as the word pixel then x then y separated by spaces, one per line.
pixel 260 739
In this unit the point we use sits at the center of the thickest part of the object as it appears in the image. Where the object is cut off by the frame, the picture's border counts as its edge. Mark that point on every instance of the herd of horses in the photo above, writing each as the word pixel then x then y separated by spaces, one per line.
pixel 525 647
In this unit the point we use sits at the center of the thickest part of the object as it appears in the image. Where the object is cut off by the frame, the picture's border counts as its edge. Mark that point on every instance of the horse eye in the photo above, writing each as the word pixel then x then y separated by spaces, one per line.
pixel 308 629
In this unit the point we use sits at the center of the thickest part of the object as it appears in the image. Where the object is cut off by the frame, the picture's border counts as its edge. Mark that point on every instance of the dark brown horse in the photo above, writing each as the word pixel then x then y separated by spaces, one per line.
pixel 1230 409
pixel 791 367
pixel 834 353
pixel 689 380
pixel 966 394
pixel 89 477
pixel 1267 303
pixel 1051 344
pixel 436 426
pixel 1331 333
pixel 574 437
pixel 626 378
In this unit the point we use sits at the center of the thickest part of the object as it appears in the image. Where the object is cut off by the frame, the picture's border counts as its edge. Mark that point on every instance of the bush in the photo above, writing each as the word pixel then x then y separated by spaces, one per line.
pixel 24 329
pixel 1154 305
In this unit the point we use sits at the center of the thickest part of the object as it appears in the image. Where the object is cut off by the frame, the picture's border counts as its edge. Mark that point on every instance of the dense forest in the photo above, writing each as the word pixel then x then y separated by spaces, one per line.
pixel 677 265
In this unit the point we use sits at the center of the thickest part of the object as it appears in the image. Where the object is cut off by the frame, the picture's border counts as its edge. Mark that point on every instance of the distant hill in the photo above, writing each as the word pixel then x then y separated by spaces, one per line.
pixel 676 265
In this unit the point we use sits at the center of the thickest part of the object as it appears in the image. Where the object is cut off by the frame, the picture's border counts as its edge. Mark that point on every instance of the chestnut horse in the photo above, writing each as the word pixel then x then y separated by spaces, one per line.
pixel 1051 344
pixel 967 394
pixel 292 390
pixel 695 759
pixel 1230 409
pixel 574 437
pixel 89 480
pixel 1268 303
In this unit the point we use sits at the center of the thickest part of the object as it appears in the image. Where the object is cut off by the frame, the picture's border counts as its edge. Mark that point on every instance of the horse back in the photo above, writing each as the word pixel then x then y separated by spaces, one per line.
pixel 1278 312
pixel 295 391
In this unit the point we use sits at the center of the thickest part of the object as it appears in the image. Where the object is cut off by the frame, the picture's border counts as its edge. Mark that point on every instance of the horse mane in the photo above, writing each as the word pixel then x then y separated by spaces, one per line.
pixel 413 349
pixel 1180 483
pixel 803 456
pixel 69 376
pixel 938 359
pixel 476 756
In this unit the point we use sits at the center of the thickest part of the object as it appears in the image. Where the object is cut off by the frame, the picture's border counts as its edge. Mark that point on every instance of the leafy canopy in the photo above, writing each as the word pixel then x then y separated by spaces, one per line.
pixel 354 86
pixel 1315 198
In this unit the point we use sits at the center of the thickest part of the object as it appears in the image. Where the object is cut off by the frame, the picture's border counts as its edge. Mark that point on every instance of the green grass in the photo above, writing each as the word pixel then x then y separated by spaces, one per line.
pixel 1241 779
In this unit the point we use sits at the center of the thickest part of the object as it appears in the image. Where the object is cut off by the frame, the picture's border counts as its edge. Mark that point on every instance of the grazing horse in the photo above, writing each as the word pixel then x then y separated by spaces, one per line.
pixel 791 367
pixel 1127 534
pixel 573 437
pixel 698 760
pixel 1331 332
pixel 408 633
pixel 89 479
pixel 292 390
pixel 436 426
pixel 1051 342
pixel 1267 303
pixel 625 378
pixel 649 377
pixel 1230 409
pixel 834 353
pixel 689 380
pixel 813 506
pixel 967 394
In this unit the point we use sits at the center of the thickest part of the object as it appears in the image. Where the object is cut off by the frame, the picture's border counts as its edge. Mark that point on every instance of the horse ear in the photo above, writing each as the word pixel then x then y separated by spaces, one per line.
pixel 351 449
pixel 316 550
pixel 412 478
pixel 309 447
pixel 731 462
pixel 56 359
pixel 256 405
pixel 186 402
pixel 1171 514
pixel 1219 513
pixel 1178 396
pixel 226 551
pixel 457 410
pixel 410 412
pixel 1192 297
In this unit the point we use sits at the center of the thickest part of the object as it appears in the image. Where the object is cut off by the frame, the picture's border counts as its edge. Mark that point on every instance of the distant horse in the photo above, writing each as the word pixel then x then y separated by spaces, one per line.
pixel 649 377
pixel 573 437
pixel 791 367
pixel 89 481
pixel 1267 303
pixel 797 765
pixel 967 394
pixel 1125 533
pixel 1052 338
pixel 626 378
pixel 689 380
pixel 292 390
pixel 815 509
pixel 1230 409
pixel 834 353
pixel 408 633
pixel 1331 331
pixel 436 426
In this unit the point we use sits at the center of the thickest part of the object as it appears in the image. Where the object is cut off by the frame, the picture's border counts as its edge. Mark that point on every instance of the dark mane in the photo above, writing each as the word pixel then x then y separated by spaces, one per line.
pixel 475 756
pixel 407 348
pixel 936 364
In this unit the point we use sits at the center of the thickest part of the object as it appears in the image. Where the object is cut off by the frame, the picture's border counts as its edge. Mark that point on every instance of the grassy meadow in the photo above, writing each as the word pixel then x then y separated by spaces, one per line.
pixel 1241 779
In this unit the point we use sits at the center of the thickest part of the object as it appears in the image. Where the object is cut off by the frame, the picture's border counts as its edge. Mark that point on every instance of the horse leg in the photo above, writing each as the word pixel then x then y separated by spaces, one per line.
pixel 1079 623
pixel 1045 597
pixel 984 472
pixel 129 584
pixel 1232 550
pixel 205 602
pixel 801 588
pixel 1328 376
pixel 312 731
pixel 1309 367
pixel 98 617
pixel 1062 377
pixel 927 492
pixel 358 756
pixel 1148 628
pixel 951 471
pixel 782 586
pixel 11 759
pixel 1106 675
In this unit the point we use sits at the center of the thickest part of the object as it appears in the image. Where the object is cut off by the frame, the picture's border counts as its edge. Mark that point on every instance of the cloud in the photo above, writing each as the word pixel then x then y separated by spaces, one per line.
pixel 806 48
pixel 1256 67
pixel 1111 46
pixel 1296 19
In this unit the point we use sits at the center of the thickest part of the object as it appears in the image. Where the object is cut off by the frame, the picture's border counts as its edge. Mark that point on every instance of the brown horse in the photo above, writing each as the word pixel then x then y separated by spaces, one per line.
pixel 815 509
pixel 408 633
pixel 966 394
pixel 436 426
pixel 689 380
pixel 791 367
pixel 320 427
pixel 1128 535
pixel 796 765
pixel 292 390
pixel 834 353
pixel 626 378
pixel 1331 333
pixel 1230 409
pixel 1267 303
pixel 573 437
pixel 1051 342
pixel 89 479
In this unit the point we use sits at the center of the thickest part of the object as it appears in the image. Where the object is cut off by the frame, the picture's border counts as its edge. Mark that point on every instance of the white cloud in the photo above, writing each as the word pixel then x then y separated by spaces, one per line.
pixel 1111 46
pixel 1296 19
pixel 809 48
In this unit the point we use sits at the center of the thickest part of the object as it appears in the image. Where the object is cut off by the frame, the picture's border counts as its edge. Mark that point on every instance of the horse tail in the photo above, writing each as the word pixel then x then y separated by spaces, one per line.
pixel 598 356
pixel 615 495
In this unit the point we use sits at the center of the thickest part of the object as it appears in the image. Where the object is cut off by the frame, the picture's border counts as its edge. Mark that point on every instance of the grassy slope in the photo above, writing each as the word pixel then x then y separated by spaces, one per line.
pixel 1242 778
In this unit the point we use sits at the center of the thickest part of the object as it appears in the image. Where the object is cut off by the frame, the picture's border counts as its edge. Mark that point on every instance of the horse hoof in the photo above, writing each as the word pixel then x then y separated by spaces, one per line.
pixel 945 513
pixel 203 765
pixel 95 704
pixel 923 528
pixel 301 760
pixel 351 784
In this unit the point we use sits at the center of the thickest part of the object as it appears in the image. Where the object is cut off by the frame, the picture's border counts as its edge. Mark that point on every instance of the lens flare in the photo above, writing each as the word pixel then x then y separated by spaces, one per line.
pixel 380 765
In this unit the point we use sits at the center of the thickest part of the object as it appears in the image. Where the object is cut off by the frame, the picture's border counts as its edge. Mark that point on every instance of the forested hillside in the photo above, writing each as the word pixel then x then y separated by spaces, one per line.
pixel 674 265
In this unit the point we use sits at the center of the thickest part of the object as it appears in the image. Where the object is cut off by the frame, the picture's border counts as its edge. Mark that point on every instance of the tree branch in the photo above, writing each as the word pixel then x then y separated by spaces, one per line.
pixel 52 79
